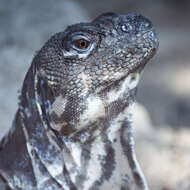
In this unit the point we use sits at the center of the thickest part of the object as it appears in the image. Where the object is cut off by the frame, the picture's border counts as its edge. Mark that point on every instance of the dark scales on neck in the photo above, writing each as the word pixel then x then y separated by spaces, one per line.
pixel 72 130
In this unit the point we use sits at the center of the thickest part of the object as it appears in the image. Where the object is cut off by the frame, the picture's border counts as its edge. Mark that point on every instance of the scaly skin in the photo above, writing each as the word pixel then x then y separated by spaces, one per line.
pixel 72 130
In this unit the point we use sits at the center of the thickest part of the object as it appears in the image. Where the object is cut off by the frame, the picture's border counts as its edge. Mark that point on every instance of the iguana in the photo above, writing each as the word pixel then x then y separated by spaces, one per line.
pixel 72 130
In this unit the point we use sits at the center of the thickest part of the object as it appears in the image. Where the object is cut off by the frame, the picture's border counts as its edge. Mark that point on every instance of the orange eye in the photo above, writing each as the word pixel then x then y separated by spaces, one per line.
pixel 81 44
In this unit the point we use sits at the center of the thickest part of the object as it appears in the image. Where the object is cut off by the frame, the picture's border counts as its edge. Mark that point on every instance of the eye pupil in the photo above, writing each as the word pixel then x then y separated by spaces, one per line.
pixel 82 44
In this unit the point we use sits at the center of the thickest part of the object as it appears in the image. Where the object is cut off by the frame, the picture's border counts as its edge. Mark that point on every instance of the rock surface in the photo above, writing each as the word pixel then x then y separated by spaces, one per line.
pixel 164 154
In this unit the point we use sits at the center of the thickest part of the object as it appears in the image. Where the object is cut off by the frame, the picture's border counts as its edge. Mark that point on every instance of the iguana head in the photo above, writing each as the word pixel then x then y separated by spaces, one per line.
pixel 91 65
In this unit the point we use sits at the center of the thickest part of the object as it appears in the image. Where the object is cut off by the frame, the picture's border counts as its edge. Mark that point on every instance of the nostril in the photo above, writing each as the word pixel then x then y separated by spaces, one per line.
pixel 126 27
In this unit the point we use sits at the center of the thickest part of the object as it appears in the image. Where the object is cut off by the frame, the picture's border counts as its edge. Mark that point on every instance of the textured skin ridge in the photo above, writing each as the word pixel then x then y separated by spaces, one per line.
pixel 73 130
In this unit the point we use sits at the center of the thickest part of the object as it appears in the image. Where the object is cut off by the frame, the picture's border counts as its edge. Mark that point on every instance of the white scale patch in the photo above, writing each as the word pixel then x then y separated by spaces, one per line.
pixel 111 75
pixel 27 112
pixel 115 126
pixel 94 170
pixel 76 153
pixel 86 80
pixel 58 107
pixel 72 159
pixel 95 109
pixel 130 83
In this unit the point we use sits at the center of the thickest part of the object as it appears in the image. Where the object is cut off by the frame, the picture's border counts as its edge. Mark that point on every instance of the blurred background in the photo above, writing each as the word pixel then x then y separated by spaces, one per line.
pixel 162 114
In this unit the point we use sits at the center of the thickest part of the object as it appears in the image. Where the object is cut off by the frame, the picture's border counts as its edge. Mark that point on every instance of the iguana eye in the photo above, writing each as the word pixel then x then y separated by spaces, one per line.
pixel 78 45
pixel 81 44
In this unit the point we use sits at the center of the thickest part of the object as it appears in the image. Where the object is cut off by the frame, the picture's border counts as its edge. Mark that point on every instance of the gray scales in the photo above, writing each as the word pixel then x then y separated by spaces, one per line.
pixel 72 130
